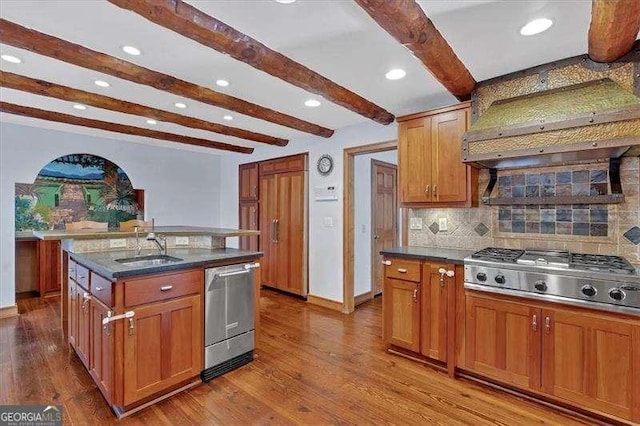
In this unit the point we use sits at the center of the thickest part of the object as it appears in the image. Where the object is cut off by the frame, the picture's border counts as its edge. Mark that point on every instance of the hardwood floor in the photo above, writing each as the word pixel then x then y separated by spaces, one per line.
pixel 314 366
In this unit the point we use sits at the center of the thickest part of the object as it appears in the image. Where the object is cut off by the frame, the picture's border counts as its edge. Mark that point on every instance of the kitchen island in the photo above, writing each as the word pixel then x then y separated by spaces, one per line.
pixel 139 327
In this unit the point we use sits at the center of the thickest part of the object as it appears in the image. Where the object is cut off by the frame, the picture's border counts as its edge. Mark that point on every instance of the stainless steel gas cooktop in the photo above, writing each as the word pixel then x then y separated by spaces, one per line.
pixel 590 280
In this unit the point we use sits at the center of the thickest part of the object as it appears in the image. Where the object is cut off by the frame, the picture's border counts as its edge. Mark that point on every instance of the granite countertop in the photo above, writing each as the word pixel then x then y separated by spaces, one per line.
pixel 104 263
pixel 85 234
pixel 428 253
pixel 25 236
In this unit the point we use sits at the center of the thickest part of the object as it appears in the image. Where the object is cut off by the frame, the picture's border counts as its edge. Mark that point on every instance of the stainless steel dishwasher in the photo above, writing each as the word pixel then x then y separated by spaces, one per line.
pixel 228 327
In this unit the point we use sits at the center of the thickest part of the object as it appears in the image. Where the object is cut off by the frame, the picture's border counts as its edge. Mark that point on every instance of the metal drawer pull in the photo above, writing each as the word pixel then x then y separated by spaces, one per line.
pixel 99 288
pixel 435 190
pixel 444 272
pixel 534 323
pixel 547 324
pixel 82 276
pixel 110 317
pixel 415 294
pixel 427 189
pixel 402 270
pixel 386 262
pixel 166 287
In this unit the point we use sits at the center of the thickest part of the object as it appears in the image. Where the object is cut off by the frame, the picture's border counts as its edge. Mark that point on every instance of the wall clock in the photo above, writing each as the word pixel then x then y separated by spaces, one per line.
pixel 325 165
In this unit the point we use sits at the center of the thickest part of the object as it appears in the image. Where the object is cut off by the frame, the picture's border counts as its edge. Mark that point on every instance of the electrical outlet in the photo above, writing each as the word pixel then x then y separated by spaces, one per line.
pixel 442 223
pixel 363 229
pixel 182 241
pixel 328 222
pixel 415 223
pixel 119 243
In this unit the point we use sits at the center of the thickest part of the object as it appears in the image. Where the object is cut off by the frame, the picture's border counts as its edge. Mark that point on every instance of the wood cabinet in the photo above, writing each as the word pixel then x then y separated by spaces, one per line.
pixel 84 325
pixel 163 347
pixel 283 226
pixel 249 186
pixel 415 311
pixel 430 167
pixel 49 258
pixel 249 220
pixel 503 340
pixel 101 349
pixel 72 331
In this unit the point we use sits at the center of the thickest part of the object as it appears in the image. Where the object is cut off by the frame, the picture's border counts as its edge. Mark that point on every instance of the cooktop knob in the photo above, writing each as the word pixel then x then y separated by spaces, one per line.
pixel 500 279
pixel 588 290
pixel 481 276
pixel 540 286
pixel 616 294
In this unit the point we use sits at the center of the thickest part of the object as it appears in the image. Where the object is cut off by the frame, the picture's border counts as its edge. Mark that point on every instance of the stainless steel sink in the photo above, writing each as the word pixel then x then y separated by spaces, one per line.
pixel 152 260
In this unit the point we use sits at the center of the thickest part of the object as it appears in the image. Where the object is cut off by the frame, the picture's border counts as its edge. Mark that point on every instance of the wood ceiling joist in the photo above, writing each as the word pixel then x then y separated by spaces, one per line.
pixel 25 38
pixel 190 22
pixel 45 88
pixel 614 28
pixel 405 21
pixel 114 127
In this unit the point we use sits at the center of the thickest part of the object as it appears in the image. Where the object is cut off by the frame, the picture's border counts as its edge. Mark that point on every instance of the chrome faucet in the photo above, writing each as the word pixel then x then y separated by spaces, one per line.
pixel 138 246
pixel 159 240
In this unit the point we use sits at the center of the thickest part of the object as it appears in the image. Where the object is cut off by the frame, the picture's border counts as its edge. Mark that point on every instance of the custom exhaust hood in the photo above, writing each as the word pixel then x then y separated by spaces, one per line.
pixel 590 121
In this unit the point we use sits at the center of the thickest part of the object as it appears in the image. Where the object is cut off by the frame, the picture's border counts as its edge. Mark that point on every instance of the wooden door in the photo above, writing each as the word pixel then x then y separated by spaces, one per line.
pixel 414 160
pixel 290 233
pixel 592 360
pixel 162 347
pixel 268 213
pixel 503 341
pixel 402 314
pixel 84 325
pixel 72 331
pixel 248 184
pixel 384 217
pixel 249 220
pixel 102 349
pixel 448 172
pixel 433 315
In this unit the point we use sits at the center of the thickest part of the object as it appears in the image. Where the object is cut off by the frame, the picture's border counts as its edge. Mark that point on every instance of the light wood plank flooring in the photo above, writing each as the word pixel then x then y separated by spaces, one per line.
pixel 314 366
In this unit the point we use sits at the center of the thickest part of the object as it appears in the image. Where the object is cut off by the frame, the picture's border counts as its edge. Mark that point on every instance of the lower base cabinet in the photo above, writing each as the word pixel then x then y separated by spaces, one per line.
pixel 588 360
pixel 102 349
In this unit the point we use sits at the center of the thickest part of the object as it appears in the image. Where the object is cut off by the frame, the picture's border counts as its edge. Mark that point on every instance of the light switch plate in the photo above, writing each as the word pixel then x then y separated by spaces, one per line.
pixel 442 223
pixel 415 223
pixel 182 241
pixel 328 222
pixel 118 243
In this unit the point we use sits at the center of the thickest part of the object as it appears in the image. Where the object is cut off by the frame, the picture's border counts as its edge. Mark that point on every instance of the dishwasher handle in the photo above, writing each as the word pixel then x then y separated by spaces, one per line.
pixel 230 274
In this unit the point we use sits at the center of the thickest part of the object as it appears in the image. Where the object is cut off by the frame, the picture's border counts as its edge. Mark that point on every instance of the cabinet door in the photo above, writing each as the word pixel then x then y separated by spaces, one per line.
pixel 402 313
pixel 249 220
pixel 592 361
pixel 84 325
pixel 73 313
pixel 102 349
pixel 248 182
pixel 49 264
pixel 433 315
pixel 290 233
pixel 448 172
pixel 414 160
pixel 268 213
pixel 503 341
pixel 162 347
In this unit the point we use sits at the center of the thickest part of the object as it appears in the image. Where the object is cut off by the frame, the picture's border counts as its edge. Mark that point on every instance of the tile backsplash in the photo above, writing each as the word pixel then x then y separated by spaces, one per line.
pixel 596 228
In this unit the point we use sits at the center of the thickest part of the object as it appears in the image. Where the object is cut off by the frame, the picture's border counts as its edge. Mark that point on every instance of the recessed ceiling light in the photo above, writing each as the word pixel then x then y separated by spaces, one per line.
pixel 312 103
pixel 151 121
pixel 536 26
pixel 285 1
pixel 180 105
pixel 222 83
pixel 80 107
pixel 131 50
pixel 11 59
pixel 395 74
pixel 228 117
pixel 101 83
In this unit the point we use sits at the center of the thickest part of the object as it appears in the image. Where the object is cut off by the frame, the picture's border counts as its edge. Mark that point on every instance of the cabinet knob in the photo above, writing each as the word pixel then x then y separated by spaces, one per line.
pixel 386 262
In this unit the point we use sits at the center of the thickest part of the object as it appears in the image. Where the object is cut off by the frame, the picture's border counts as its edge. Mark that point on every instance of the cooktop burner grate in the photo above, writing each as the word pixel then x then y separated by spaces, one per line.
pixel 498 254
pixel 601 263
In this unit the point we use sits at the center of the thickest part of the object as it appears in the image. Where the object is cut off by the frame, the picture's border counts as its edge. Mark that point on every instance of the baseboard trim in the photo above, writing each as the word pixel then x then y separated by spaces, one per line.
pixel 325 303
pixel 362 298
pixel 9 312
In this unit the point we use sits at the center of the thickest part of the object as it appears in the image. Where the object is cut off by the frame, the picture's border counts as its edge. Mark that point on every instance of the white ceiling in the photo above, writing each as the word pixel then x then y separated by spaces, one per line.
pixel 333 37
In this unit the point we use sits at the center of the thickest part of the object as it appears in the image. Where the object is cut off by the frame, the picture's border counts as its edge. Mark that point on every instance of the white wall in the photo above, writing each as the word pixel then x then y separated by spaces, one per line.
pixel 181 187
pixel 362 217
pixel 325 244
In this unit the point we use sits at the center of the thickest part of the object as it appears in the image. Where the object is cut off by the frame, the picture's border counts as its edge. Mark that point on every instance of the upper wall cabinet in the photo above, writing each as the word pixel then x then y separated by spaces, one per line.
pixel 431 171
pixel 249 182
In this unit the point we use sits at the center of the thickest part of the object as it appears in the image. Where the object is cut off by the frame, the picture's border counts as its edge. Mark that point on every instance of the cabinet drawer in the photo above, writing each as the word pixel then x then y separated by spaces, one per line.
pixel 401 269
pixel 102 289
pixel 82 276
pixel 161 287
pixel 71 269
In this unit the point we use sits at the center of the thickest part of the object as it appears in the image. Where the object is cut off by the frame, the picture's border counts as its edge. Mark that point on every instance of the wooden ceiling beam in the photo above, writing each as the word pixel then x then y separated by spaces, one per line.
pixel 190 22
pixel 58 117
pixel 614 28
pixel 405 21
pixel 57 91
pixel 53 47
